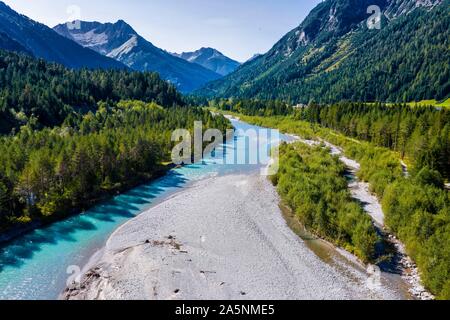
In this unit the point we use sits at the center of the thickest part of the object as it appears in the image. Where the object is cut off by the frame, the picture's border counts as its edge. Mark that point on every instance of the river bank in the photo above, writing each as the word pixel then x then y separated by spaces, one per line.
pixel 17 230
pixel 37 264
pixel 400 262
pixel 223 238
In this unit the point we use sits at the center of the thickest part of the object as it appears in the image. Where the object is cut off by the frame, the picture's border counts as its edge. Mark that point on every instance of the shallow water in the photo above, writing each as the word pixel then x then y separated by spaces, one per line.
pixel 38 264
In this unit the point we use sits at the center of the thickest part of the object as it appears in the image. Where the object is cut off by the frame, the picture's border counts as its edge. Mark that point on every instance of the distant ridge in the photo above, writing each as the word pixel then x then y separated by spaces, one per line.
pixel 122 43
pixel 211 59
pixel 19 33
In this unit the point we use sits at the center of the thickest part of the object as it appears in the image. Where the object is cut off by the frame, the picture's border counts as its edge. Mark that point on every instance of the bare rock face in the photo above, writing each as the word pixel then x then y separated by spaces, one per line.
pixel 397 8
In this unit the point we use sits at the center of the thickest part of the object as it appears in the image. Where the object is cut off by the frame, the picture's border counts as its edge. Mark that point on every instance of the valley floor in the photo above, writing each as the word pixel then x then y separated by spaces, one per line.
pixel 223 238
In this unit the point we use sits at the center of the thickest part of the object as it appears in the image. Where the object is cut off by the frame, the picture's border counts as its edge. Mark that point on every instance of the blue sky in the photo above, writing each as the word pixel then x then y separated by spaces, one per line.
pixel 238 28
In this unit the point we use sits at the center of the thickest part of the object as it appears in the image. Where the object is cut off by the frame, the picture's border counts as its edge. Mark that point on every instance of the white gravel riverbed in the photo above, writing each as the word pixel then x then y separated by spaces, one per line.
pixel 222 238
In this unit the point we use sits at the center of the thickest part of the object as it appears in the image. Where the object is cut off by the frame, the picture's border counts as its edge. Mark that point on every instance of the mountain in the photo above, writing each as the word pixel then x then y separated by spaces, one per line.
pixel 397 8
pixel 255 56
pixel 20 33
pixel 121 42
pixel 6 43
pixel 333 56
pixel 211 59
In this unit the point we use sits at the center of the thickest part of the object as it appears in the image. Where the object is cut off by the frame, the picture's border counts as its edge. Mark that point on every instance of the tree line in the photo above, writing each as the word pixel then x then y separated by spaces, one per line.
pixel 44 94
pixel 49 173
pixel 251 107
pixel 416 206
pixel 421 135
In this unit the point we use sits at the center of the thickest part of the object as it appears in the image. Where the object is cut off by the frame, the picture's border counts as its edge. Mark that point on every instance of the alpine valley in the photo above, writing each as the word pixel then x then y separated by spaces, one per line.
pixel 325 173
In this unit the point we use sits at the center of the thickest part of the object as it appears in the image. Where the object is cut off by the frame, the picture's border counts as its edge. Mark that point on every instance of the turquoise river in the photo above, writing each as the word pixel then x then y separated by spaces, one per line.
pixel 38 264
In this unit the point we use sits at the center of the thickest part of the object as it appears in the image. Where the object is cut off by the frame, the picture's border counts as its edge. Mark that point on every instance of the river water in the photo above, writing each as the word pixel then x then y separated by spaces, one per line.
pixel 38 264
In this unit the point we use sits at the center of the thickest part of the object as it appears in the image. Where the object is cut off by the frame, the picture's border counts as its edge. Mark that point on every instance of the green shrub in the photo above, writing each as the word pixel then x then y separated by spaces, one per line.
pixel 312 183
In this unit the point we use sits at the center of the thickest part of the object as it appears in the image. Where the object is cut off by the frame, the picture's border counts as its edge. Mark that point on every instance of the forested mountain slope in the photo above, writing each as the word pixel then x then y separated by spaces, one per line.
pixel 9 44
pixel 35 91
pixel 121 42
pixel 334 56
